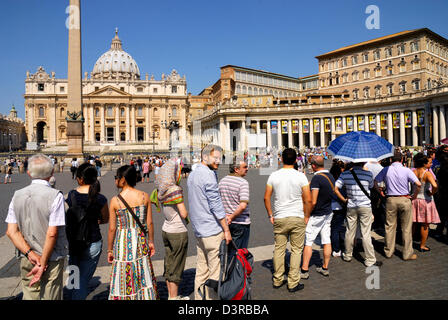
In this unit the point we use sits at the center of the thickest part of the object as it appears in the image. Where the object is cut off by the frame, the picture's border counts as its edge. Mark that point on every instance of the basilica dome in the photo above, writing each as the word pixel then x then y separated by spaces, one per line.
pixel 116 63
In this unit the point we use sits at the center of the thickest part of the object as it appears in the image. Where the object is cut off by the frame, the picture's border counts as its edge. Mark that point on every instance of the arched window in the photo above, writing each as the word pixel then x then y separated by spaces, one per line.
pixel 238 89
pixel 97 136
pixel 250 91
pixel 122 136
pixel 244 90
pixel 256 91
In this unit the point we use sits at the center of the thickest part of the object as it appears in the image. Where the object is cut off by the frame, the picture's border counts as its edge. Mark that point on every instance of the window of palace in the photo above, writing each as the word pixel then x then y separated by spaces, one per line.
pixel 401 49
pixel 122 112
pixel 62 89
pixel 390 89
pixel 122 88
pixel 366 92
pixel 250 91
pixel 97 112
pixel 40 87
pixel 154 90
pixel 403 87
pixel 378 91
pixel 388 52
pixel 174 89
pixel 41 112
pixel 365 57
pixel 97 137
pixel 110 112
pixel 414 46
pixel 238 89
pixel 174 111
pixel 355 94
pixel 355 76
pixel 354 60
pixel 139 89
pixel 122 136
pixel 366 74
pixel 389 69
pixel 416 84
pixel 62 112
pixel 156 112
pixel 402 66
pixel 344 62
pixel 345 77
pixel 377 54
pixel 428 84
pixel 97 88
pixel 140 112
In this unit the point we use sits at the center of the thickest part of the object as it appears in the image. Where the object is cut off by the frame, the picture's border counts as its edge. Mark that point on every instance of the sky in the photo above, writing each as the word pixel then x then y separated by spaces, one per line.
pixel 196 37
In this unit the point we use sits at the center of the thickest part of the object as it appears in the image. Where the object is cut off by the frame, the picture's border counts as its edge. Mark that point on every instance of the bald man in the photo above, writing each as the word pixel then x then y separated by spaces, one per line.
pixel 319 221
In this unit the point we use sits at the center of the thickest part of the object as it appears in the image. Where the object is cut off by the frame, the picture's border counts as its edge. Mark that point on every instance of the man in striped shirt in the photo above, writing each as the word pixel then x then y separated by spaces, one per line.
pixel 358 208
pixel 234 190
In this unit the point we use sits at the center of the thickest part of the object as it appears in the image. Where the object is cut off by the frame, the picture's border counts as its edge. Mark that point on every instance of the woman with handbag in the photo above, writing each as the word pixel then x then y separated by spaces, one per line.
pixel 131 241
pixel 88 201
pixel 169 196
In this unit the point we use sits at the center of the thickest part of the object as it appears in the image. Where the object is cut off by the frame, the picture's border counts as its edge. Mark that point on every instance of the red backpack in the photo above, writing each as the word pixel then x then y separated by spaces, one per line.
pixel 234 280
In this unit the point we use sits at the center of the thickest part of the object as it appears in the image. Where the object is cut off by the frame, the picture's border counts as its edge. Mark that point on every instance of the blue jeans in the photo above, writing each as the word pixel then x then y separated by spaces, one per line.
pixel 337 229
pixel 240 235
pixel 99 171
pixel 86 262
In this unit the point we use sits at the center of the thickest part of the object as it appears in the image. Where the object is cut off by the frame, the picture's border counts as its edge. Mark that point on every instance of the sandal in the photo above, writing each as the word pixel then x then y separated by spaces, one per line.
pixel 425 249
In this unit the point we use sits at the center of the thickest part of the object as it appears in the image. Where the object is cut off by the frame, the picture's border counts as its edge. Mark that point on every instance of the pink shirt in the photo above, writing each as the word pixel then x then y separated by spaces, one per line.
pixel 145 167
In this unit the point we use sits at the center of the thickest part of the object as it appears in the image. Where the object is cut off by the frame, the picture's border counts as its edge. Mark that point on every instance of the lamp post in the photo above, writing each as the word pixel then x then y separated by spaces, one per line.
pixel 173 125
pixel 9 140
pixel 153 135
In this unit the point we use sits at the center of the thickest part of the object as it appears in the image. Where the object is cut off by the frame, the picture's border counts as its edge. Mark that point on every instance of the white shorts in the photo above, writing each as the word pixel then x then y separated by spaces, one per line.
pixel 316 225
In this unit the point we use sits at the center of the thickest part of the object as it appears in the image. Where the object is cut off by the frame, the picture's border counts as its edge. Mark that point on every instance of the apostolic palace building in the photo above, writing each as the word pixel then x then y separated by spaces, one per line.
pixel 395 86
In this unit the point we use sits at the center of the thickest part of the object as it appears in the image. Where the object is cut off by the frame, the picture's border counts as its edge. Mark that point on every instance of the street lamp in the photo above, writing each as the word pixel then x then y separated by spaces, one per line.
pixel 153 135
pixel 9 140
pixel 173 125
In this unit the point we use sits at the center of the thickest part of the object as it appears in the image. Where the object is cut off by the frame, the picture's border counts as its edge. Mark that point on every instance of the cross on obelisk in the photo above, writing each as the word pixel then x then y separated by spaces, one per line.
pixel 75 119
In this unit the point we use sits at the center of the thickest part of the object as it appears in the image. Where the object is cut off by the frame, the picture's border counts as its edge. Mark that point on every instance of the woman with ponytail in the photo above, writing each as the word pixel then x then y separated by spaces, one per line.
pixel 87 210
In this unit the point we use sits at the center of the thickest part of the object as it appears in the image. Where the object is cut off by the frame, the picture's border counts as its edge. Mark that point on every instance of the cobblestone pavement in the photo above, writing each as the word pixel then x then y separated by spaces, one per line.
pixel 425 278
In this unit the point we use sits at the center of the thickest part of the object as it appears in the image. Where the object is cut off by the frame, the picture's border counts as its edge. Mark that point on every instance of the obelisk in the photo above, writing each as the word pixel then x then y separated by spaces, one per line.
pixel 75 117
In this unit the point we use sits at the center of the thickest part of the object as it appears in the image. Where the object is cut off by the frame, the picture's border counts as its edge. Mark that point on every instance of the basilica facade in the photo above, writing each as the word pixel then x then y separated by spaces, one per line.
pixel 121 111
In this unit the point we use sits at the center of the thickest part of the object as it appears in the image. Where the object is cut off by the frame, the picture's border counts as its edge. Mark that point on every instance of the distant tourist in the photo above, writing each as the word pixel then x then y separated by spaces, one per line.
pixel 42 243
pixel 74 166
pixel 8 175
pixel 147 168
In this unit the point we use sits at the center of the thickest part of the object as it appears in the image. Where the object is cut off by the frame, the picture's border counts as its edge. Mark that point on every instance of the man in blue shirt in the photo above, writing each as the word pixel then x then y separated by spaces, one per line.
pixel 207 217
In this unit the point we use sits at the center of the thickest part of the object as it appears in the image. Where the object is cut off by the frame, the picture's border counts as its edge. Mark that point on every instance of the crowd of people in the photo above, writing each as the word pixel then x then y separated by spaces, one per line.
pixel 334 206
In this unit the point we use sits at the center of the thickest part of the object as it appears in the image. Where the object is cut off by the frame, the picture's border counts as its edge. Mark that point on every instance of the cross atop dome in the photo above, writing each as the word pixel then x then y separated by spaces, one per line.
pixel 116 42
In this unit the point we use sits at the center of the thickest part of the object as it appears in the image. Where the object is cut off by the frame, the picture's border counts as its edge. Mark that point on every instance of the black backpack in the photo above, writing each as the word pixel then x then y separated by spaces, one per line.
pixel 77 227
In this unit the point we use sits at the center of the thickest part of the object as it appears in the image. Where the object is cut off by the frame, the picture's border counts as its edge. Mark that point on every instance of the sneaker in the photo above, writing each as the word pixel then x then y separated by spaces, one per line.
pixel 322 271
pixel 345 258
pixel 336 254
pixel 304 275
pixel 300 286
pixel 280 285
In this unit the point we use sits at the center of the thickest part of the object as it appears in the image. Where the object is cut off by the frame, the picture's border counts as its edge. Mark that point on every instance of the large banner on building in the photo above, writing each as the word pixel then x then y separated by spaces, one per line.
pixel 284 126
pixel 295 126
pixel 306 125
pixel 316 124
pixel 408 119
pixel 327 123
pixel 383 121
pixel 274 126
pixel 338 123
pixel 396 120
pixel 349 123
pixel 361 123
pixel 421 118
pixel 372 122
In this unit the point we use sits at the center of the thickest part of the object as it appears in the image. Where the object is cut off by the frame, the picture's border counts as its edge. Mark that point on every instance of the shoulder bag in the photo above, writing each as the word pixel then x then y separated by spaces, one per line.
pixel 360 184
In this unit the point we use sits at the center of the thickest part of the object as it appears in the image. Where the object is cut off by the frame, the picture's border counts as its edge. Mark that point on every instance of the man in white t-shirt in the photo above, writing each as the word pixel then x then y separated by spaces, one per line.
pixel 292 204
